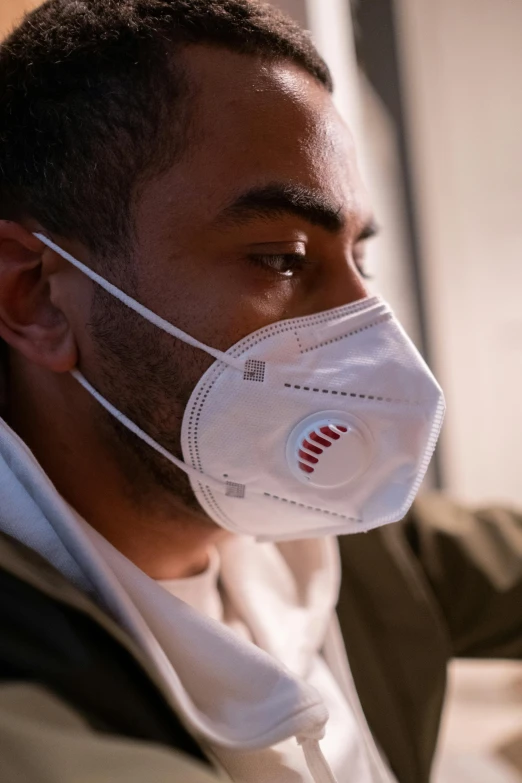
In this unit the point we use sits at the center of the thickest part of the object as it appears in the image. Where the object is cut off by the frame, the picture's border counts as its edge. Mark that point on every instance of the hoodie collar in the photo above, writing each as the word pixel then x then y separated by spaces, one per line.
pixel 241 698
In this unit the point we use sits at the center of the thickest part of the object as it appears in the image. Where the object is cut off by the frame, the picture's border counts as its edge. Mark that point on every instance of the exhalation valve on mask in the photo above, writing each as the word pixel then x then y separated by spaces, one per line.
pixel 329 449
pixel 313 426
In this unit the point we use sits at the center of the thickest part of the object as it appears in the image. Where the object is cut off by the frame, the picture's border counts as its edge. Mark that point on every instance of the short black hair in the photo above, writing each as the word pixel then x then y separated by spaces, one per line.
pixel 92 101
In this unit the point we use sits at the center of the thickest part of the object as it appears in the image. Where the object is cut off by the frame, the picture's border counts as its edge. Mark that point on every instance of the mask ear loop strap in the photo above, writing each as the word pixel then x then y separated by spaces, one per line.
pixel 237 364
pixel 201 477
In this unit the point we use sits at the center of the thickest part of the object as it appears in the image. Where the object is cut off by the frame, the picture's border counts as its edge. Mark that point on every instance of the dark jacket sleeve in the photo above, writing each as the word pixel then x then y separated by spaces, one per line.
pixel 473 562
pixel 43 739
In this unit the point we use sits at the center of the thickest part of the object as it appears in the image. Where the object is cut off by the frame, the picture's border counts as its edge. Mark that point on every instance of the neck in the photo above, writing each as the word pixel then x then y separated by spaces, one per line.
pixel 145 523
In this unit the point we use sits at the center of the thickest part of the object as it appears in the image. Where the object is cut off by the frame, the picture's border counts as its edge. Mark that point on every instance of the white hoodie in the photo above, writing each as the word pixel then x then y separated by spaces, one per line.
pixel 246 703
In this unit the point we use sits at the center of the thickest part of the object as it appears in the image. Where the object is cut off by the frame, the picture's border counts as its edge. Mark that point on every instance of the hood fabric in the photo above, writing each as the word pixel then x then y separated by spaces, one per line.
pixel 243 697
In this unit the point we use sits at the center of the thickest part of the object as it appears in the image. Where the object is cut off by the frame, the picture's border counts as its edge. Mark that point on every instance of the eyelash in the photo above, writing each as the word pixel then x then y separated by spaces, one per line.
pixel 295 262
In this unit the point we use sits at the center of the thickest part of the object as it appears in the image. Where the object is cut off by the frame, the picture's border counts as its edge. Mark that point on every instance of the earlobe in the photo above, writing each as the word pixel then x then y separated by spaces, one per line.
pixel 30 322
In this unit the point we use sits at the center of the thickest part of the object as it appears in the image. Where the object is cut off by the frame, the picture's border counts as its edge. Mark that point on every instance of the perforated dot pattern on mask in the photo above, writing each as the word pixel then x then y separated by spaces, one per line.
pixel 235 490
pixel 307 320
pixel 254 370
pixel 354 395
pixel 311 508
pixel 382 319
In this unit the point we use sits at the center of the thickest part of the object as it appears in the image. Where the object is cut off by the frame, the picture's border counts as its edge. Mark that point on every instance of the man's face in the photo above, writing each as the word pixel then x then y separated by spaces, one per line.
pixel 261 219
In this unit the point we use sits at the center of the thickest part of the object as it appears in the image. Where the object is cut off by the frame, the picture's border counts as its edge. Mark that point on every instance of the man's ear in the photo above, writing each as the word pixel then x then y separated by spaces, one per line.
pixel 30 321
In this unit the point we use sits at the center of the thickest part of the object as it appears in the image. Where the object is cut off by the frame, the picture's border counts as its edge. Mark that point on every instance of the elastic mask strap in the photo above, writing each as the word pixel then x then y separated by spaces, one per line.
pixel 237 364
pixel 201 477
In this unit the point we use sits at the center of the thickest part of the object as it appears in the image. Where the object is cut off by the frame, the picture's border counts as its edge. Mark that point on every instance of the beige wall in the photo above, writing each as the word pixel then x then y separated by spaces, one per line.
pixel 11 11
pixel 463 66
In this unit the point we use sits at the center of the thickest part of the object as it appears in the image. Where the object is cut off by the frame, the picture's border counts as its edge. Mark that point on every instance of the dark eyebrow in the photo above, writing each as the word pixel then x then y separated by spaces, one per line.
pixel 276 199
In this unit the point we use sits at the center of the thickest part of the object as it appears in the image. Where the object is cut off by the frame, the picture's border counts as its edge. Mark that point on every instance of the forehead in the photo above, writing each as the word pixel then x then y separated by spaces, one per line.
pixel 254 122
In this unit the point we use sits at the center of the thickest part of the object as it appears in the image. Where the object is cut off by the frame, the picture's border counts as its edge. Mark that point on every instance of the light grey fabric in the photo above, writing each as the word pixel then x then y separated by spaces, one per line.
pixel 43 740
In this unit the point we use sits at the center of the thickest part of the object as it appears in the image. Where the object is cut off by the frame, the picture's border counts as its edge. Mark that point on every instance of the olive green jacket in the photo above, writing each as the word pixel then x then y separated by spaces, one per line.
pixel 78 702
pixel 447 582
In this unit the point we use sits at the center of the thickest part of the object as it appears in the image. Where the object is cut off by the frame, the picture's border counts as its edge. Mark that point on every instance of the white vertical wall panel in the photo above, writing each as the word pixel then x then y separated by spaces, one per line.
pixel 462 66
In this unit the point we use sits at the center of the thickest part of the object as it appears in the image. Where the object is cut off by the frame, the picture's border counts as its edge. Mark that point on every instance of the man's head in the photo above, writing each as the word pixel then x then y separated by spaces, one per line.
pixel 95 98
pixel 190 150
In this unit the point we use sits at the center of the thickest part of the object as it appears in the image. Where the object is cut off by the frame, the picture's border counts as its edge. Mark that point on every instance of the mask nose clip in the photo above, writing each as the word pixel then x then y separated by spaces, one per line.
pixel 329 449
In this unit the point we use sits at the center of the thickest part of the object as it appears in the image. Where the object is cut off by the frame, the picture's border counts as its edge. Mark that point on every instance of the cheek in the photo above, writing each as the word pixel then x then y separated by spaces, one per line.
pixel 219 301
pixel 243 304
pixel 137 366
pixel 221 319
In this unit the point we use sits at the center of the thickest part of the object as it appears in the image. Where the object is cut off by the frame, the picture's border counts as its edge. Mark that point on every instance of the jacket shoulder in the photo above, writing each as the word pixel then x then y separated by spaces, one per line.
pixel 49 637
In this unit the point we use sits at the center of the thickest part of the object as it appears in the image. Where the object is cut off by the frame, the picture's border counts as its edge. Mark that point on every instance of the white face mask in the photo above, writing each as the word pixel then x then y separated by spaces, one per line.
pixel 322 425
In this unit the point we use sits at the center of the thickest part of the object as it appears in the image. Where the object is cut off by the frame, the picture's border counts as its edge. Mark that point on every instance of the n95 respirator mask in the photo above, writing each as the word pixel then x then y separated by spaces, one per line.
pixel 313 426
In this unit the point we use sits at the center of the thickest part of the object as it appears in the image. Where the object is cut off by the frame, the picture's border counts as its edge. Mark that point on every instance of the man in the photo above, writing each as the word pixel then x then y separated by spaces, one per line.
pixel 176 184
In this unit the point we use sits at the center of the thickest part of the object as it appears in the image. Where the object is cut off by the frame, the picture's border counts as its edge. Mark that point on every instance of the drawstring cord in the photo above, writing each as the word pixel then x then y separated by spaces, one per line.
pixel 315 761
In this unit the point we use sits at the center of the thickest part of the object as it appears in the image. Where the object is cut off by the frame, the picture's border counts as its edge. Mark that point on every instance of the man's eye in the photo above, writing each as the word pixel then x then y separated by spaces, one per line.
pixel 284 264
